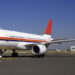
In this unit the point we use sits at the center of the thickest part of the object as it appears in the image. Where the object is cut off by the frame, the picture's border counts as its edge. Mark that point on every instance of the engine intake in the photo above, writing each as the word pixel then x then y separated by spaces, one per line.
pixel 38 49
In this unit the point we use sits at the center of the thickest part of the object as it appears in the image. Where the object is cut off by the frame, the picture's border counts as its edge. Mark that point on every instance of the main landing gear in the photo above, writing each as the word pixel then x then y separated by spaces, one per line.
pixel 39 56
pixel 14 54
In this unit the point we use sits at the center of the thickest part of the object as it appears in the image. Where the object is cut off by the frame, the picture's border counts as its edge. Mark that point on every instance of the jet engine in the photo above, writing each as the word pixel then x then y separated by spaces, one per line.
pixel 38 49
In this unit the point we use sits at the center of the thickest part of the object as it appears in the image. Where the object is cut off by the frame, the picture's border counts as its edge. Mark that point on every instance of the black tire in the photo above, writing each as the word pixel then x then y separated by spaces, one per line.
pixel 14 54
pixel 39 56
pixel 42 55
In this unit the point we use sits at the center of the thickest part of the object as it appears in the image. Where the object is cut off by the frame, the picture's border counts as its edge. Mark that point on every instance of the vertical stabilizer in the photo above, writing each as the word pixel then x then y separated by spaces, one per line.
pixel 48 29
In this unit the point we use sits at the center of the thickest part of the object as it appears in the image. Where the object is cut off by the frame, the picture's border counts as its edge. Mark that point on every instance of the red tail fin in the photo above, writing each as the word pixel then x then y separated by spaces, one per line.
pixel 48 29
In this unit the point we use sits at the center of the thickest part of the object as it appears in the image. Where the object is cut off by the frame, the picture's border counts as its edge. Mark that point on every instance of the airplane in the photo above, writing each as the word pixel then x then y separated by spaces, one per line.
pixel 38 44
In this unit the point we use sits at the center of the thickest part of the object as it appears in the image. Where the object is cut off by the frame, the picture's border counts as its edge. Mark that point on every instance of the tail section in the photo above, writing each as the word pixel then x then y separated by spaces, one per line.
pixel 48 29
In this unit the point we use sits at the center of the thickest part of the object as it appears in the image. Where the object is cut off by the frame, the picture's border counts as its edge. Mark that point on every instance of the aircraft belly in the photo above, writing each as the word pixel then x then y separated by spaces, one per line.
pixel 8 45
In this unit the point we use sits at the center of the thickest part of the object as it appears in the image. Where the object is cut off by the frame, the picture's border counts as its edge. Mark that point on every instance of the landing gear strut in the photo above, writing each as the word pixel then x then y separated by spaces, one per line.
pixel 14 54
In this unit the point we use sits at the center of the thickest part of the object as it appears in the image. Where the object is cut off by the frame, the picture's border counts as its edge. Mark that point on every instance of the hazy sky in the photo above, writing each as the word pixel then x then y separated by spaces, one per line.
pixel 32 16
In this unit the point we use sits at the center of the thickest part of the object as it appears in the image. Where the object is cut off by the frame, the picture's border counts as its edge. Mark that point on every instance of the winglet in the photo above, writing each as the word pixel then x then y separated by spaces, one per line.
pixel 48 29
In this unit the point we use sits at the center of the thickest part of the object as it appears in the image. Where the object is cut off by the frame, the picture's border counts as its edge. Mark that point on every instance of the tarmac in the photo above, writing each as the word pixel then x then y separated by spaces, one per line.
pixel 28 65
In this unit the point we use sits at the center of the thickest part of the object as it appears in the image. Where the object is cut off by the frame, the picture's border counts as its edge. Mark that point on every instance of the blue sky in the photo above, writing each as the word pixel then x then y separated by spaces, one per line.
pixel 32 16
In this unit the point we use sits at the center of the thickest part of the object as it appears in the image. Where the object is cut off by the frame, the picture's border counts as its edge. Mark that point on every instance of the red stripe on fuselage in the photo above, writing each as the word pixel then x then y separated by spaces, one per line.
pixel 20 39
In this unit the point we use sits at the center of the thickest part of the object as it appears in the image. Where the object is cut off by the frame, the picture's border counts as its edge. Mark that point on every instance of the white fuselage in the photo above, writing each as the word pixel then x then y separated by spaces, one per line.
pixel 13 40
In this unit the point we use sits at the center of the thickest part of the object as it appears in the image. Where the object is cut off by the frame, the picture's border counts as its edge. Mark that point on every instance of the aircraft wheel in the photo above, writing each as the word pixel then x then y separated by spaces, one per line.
pixel 42 55
pixel 14 54
pixel 39 56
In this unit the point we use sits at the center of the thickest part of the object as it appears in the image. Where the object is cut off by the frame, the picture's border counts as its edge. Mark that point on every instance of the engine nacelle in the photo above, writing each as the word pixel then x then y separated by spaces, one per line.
pixel 38 49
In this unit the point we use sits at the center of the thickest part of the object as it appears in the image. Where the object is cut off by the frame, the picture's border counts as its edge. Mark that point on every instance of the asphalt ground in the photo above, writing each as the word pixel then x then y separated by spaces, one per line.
pixel 28 65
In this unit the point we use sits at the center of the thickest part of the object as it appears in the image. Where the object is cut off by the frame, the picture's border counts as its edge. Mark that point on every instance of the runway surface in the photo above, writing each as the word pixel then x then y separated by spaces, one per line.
pixel 50 65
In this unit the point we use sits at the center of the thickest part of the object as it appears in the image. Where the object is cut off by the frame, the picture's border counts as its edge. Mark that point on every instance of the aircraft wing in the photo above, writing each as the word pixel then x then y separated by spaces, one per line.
pixel 59 41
